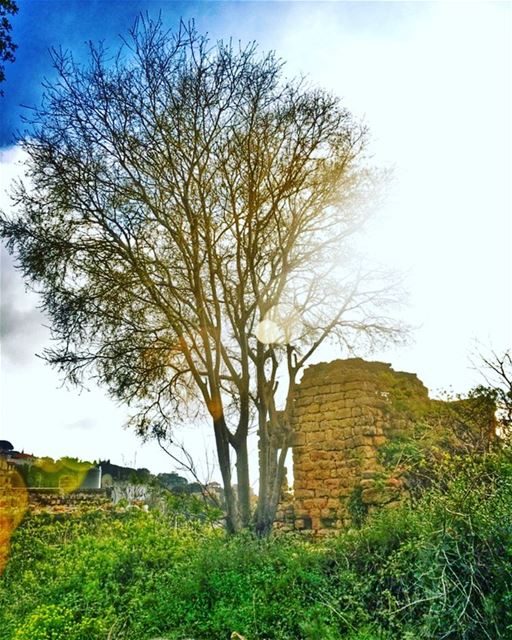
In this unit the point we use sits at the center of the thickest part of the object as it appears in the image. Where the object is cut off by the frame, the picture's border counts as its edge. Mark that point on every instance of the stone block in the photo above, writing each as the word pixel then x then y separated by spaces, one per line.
pixel 324 396
pixel 378 495
pixel 311 409
pixel 342 412
pixel 308 426
pixel 321 474
pixel 333 446
pixel 358 385
pixel 298 439
pixel 369 430
pixel 367 452
pixel 332 482
pixel 351 394
pixel 307 391
pixel 338 389
pixel 315 438
pixel 300 494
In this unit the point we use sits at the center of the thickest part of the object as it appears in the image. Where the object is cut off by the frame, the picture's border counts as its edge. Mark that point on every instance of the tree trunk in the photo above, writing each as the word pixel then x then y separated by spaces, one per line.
pixel 271 493
pixel 261 516
pixel 221 440
pixel 242 470
pixel 274 446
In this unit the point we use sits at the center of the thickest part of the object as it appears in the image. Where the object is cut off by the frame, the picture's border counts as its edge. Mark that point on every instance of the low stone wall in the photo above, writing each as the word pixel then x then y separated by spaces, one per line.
pixel 56 500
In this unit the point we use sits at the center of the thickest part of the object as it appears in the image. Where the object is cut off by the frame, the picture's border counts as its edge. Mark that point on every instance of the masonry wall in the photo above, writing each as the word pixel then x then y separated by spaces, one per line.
pixel 344 412
pixel 58 501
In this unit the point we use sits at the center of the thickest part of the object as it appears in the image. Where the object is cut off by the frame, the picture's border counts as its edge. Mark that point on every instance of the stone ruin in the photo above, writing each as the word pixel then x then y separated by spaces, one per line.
pixel 345 411
pixel 344 414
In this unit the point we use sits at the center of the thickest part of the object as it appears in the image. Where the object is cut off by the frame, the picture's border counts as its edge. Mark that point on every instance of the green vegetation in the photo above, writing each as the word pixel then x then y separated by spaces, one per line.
pixel 357 508
pixel 439 569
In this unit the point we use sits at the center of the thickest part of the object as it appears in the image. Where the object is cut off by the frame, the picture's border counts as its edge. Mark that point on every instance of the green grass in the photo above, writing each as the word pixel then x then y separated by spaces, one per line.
pixel 442 569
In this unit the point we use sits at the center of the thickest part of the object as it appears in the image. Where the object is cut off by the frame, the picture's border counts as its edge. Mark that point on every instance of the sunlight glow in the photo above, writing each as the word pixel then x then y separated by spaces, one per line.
pixel 13 504
pixel 281 325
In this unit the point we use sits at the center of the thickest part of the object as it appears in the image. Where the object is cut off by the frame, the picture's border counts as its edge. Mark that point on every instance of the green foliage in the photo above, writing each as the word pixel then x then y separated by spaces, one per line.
pixel 184 508
pixel 356 507
pixel 442 568
pixel 439 569
pixel 53 622
pixel 400 451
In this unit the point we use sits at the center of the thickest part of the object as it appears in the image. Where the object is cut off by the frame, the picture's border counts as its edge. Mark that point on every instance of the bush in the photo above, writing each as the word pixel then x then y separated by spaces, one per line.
pixel 439 569
pixel 444 567
pixel 52 622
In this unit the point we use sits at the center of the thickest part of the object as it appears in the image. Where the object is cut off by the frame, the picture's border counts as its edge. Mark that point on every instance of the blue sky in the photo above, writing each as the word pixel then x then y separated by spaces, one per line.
pixel 432 81
pixel 43 24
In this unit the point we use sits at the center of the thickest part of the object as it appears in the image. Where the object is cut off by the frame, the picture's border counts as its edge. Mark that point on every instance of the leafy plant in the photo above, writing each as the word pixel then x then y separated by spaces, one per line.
pixel 53 622
pixel 441 567
pixel 356 507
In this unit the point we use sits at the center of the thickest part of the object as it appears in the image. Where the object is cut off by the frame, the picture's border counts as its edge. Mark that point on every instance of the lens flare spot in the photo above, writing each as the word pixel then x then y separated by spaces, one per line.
pixel 67 474
pixel 281 325
pixel 13 505
pixel 268 332
pixel 215 408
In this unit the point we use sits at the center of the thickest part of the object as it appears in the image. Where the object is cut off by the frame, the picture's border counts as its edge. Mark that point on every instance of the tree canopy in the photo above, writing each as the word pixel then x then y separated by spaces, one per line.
pixel 186 217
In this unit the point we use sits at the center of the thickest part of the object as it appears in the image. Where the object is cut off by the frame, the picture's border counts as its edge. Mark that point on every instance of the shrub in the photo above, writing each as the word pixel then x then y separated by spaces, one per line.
pixel 53 622
pixel 444 567
pixel 441 568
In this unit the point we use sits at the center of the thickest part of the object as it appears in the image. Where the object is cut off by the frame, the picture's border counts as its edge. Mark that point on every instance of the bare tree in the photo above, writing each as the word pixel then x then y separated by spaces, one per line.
pixel 185 218
pixel 497 371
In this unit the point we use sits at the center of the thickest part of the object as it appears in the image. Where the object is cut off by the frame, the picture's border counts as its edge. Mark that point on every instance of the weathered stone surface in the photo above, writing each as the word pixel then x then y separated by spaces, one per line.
pixel 344 411
pixel 342 415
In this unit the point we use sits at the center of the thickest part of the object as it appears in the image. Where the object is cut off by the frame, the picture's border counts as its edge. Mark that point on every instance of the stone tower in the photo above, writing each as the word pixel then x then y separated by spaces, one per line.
pixel 344 412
